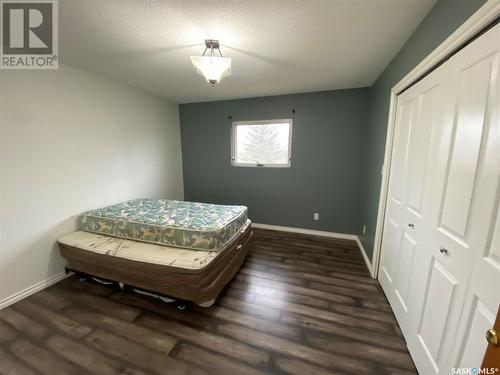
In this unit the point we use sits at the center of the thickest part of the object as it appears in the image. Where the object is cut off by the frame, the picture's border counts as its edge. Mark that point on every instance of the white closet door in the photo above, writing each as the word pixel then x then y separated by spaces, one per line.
pixel 465 181
pixel 443 277
pixel 418 114
pixel 483 295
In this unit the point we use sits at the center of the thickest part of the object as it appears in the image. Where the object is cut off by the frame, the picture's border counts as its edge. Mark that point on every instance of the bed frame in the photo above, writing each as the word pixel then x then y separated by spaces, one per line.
pixel 201 286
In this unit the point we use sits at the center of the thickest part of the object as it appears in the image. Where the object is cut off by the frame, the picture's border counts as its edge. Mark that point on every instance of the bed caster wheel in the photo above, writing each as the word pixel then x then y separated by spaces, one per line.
pixel 181 306
pixel 207 304
pixel 166 299
pixel 82 278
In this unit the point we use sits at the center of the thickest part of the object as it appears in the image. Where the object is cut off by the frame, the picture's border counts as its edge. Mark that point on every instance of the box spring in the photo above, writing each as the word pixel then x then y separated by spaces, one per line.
pixel 196 285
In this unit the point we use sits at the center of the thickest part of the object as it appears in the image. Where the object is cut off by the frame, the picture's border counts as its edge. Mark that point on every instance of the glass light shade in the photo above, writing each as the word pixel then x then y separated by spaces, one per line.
pixel 213 68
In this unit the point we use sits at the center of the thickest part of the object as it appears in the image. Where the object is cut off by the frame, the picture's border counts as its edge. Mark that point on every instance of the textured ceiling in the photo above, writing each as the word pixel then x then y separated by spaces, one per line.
pixel 276 46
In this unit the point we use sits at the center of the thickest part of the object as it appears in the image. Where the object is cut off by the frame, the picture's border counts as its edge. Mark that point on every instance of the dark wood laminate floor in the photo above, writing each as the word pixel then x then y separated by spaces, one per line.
pixel 299 305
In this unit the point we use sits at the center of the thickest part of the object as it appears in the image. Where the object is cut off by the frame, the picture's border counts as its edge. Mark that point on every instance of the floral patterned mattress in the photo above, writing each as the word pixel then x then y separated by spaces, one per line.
pixel 196 226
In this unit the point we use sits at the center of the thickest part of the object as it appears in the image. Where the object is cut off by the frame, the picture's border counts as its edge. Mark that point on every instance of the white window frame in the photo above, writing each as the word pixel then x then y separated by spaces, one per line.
pixel 289 121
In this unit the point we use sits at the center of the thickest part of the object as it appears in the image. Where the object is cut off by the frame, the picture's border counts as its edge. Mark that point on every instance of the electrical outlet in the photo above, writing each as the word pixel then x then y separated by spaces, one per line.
pixel 364 229
pixel 316 216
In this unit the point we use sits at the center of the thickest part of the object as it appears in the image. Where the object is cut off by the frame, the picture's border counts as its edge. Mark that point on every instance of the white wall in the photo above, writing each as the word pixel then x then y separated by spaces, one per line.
pixel 72 141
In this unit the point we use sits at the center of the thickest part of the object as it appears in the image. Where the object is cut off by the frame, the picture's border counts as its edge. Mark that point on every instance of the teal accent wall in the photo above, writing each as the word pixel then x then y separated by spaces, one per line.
pixel 338 144
pixel 328 158
pixel 443 19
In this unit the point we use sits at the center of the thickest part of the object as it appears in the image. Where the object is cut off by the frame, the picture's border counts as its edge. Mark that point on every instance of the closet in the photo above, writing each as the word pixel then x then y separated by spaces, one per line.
pixel 440 257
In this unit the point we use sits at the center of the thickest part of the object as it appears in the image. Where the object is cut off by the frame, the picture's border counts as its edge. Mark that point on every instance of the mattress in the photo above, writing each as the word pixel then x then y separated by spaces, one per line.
pixel 197 226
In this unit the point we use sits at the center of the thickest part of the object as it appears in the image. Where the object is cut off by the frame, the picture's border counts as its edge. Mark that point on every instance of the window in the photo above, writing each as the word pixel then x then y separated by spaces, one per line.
pixel 262 143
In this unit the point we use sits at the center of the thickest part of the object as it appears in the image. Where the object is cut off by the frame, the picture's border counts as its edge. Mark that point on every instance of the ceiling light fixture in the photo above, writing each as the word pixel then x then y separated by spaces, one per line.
pixel 213 68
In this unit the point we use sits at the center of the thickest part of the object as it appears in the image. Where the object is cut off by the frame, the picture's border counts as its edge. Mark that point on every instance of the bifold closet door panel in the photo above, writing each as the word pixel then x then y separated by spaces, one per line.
pixel 418 114
pixel 463 201
pixel 440 261
pixel 483 222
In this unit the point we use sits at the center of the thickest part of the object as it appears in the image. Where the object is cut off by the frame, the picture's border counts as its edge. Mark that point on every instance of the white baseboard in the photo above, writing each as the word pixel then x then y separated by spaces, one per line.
pixel 31 290
pixel 365 257
pixel 312 232
pixel 320 233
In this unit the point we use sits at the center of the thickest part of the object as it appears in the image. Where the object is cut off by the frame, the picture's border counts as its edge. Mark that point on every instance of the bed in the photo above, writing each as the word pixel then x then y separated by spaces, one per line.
pixel 179 250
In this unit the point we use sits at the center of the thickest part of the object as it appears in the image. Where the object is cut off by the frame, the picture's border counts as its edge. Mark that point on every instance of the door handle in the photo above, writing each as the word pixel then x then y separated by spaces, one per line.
pixel 442 250
pixel 492 337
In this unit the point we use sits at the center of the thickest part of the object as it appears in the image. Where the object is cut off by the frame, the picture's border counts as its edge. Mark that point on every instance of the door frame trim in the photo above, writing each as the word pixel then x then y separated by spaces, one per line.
pixel 484 16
